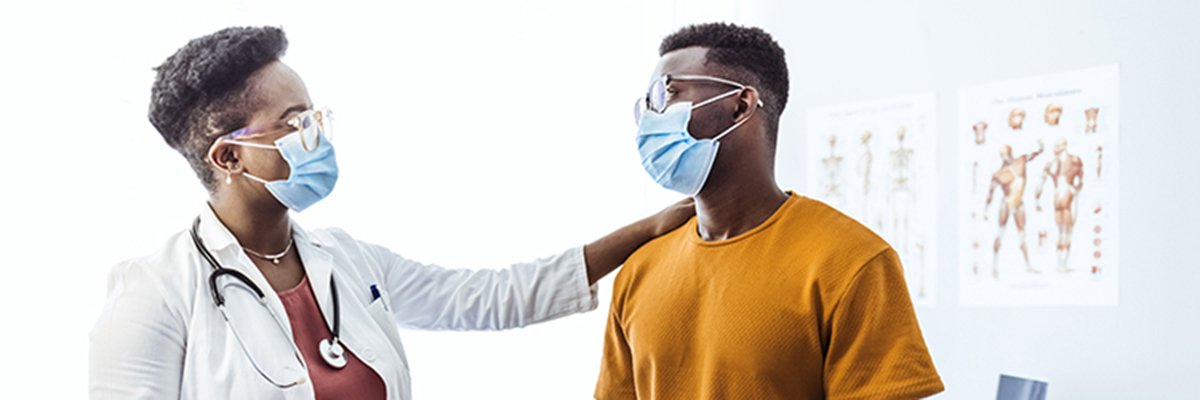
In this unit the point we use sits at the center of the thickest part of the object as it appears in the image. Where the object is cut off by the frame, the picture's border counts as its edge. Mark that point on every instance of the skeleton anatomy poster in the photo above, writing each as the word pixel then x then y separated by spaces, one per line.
pixel 877 162
pixel 1037 193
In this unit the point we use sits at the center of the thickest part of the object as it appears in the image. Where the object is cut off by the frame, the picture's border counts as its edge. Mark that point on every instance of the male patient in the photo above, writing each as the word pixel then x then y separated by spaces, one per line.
pixel 765 294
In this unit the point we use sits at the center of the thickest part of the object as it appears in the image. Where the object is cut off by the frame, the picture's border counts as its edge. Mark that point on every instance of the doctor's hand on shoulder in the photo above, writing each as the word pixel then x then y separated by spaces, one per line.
pixel 245 303
pixel 609 252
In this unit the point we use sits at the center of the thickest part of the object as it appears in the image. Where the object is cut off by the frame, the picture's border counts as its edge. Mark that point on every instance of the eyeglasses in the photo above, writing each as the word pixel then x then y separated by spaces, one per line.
pixel 311 124
pixel 656 97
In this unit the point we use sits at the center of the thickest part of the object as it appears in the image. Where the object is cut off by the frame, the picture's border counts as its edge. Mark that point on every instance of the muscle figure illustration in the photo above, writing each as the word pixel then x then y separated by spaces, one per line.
pixel 1099 156
pixel 975 257
pixel 974 174
pixel 1053 113
pixel 1016 118
pixel 1067 171
pixel 980 132
pixel 1091 119
pixel 1010 178
pixel 902 190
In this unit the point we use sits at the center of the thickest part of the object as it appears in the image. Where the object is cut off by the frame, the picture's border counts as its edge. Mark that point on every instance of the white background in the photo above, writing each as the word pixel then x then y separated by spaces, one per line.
pixel 469 134
pixel 478 134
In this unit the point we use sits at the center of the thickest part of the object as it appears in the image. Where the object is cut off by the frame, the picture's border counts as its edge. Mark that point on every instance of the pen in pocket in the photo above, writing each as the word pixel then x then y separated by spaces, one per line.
pixel 376 296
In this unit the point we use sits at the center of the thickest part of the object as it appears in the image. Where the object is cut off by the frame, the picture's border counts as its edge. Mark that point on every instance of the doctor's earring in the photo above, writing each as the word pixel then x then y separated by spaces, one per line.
pixel 228 178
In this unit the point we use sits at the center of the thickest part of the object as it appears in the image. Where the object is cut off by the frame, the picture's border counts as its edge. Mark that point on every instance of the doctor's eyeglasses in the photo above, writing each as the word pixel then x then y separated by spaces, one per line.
pixel 312 125
pixel 656 97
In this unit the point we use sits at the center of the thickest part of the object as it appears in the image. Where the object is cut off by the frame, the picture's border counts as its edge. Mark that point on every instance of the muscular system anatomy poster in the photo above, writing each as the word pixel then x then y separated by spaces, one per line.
pixel 876 162
pixel 1037 191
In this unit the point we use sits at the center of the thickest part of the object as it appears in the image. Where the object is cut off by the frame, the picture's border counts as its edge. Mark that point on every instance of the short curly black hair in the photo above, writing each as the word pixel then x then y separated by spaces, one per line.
pixel 747 53
pixel 200 91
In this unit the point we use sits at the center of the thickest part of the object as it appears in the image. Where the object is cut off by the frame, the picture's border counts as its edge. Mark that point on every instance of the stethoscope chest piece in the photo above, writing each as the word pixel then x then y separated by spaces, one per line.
pixel 333 353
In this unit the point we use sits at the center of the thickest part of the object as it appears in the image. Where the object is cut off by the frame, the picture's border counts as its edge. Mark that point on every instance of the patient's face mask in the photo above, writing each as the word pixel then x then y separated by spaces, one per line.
pixel 674 158
pixel 312 163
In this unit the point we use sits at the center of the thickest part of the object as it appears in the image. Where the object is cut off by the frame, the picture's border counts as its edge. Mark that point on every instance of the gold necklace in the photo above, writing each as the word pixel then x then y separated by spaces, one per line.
pixel 273 257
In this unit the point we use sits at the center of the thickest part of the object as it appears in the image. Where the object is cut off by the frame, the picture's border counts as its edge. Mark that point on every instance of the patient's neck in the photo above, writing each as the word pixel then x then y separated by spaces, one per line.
pixel 733 207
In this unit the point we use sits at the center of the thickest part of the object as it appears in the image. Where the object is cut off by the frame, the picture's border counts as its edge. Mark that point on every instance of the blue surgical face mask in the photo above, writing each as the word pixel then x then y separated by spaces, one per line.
pixel 312 174
pixel 674 158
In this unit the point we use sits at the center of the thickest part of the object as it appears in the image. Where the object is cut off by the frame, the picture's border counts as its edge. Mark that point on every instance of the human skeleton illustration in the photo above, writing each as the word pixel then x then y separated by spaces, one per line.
pixel 864 169
pixel 921 254
pixel 902 189
pixel 833 171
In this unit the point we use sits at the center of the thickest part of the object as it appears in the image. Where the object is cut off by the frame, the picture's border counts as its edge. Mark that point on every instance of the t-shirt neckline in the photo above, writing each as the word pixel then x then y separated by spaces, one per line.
pixel 693 227
pixel 294 290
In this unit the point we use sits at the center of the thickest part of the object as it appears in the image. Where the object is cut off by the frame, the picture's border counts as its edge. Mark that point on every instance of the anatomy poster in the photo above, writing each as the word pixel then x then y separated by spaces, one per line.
pixel 1037 191
pixel 877 162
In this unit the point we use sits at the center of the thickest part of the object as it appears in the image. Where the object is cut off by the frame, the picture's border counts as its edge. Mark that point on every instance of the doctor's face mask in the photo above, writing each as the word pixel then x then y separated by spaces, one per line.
pixel 312 162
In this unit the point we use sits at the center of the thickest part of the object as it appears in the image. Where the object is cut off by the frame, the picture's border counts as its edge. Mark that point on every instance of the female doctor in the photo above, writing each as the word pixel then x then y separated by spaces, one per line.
pixel 246 304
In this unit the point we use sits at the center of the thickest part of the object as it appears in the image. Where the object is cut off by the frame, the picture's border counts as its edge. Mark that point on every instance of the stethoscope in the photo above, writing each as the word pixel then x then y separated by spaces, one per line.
pixel 331 349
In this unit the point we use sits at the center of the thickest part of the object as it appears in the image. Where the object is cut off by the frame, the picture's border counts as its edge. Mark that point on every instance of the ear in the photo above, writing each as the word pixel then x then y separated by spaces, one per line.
pixel 748 104
pixel 225 157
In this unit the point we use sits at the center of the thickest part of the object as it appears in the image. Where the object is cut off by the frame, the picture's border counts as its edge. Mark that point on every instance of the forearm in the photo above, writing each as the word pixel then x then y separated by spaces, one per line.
pixel 607 253
pixel 610 251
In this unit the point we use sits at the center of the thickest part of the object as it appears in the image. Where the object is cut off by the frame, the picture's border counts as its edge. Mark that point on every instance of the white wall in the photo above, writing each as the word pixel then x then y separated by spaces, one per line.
pixel 470 134
pixel 477 134
pixel 1146 348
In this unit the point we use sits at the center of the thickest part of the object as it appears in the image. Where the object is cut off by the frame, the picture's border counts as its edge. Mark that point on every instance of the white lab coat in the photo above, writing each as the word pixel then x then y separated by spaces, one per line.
pixel 161 335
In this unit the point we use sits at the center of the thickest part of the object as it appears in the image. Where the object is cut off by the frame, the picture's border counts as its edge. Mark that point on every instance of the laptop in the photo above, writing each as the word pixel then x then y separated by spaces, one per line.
pixel 1014 388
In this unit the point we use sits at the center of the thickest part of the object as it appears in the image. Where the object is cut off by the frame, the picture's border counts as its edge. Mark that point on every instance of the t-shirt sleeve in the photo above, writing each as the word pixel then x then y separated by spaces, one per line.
pixel 875 348
pixel 616 366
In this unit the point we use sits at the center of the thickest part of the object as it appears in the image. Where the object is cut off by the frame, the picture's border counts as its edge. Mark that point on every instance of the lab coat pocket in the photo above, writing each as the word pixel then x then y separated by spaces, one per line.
pixel 387 323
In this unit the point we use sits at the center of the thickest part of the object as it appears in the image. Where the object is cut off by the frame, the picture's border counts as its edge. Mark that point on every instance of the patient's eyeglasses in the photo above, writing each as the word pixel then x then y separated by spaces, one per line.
pixel 656 97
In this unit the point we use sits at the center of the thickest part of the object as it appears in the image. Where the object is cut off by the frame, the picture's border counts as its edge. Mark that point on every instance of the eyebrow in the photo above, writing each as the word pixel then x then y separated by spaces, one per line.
pixel 295 108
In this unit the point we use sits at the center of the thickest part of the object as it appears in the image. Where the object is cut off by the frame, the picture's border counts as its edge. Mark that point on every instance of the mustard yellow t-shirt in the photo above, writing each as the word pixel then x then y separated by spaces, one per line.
pixel 808 305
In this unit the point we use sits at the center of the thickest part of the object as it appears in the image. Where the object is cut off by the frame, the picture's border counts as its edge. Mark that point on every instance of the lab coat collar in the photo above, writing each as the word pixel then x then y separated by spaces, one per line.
pixel 214 233
pixel 318 266
pixel 318 263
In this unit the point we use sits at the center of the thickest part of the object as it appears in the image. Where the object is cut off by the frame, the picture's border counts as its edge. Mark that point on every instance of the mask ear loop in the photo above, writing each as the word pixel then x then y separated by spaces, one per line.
pixel 739 123
pixel 229 174
pixel 255 178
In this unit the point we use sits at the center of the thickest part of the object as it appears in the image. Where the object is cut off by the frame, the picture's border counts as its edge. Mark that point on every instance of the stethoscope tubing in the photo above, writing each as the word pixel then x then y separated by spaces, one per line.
pixel 219 300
